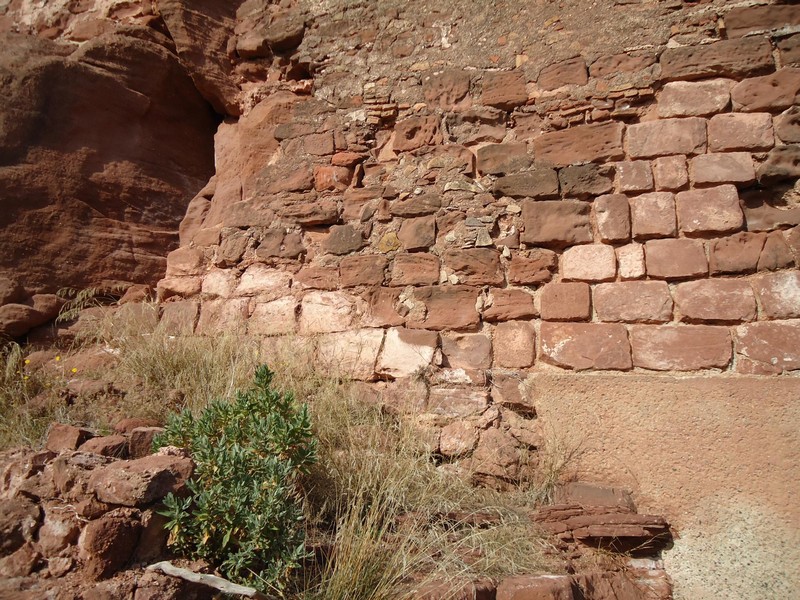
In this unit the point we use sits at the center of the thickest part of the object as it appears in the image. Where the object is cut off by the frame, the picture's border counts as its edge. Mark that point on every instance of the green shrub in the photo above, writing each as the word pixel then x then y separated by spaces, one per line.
pixel 244 512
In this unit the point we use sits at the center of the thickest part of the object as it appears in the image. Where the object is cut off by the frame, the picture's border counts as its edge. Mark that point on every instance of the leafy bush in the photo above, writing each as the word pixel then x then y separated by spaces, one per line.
pixel 243 512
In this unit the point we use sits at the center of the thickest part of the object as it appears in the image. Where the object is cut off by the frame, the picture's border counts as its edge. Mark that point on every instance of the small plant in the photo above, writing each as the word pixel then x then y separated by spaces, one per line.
pixel 243 512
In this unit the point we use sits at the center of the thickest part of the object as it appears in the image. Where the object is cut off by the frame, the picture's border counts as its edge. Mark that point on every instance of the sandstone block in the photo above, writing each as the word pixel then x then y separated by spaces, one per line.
pixel 653 215
pixel 712 210
pixel 415 269
pixel 468 351
pixel 458 439
pixel 344 239
pixel 418 233
pixel 584 143
pixel 19 519
pixel 633 302
pixel 514 344
pixel 326 312
pixel 737 131
pixel 744 19
pixel 504 90
pixel 497 455
pixel 566 302
pixel 405 352
pixel 635 176
pixel 772 92
pixel 582 181
pixel 383 307
pixel 715 300
pixel 776 253
pixel 557 223
pixel 140 441
pixel 107 445
pixel 317 278
pixel 265 282
pixel 59 530
pixel 449 307
pixel 567 72
pixel 223 315
pixel 11 291
pixel 589 262
pixel 620 63
pixel 499 159
pixel 220 283
pixel 612 216
pixel 508 304
pixel 768 347
pixel 541 182
pixel 783 162
pixel 727 58
pixel 694 99
pixel 779 294
pixel 630 261
pixel 273 318
pixel 457 402
pixel 141 481
pixel 328 177
pixel 185 262
pixel 416 132
pixel 667 136
pixel 66 437
pixel 417 205
pixel 680 347
pixel 365 269
pixel 582 346
pixel 669 173
pixel 107 544
pixel 789 48
pixel 727 167
pixel 351 354
pixel 532 587
pixel 445 88
pixel 532 268
pixel 787 125
pixel 319 144
pixel 675 259
pixel 474 266
pixel 736 253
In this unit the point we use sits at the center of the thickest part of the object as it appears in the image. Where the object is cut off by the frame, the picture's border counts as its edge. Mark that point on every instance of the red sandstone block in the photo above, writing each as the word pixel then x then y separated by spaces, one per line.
pixel 415 269
pixel 540 182
pixel 499 159
pixel 418 233
pixel 772 92
pixel 634 176
pixel 669 173
pixel 620 63
pixel 583 346
pixel 475 266
pixel 712 210
pixel 633 302
pixel 504 90
pixel 416 132
pixel 583 181
pixel 675 259
pixel 776 253
pixel 653 215
pixel 736 131
pixel 694 99
pixel 585 143
pixel 768 347
pixel 446 307
pixel 715 300
pixel 589 262
pixel 630 261
pixel 790 50
pixel 514 345
pixel 744 19
pixel 445 88
pixel 612 217
pixel 556 222
pixel 319 144
pixel 737 253
pixel 779 294
pixel 787 125
pixel 366 269
pixel 572 71
pixel 727 167
pixel 728 58
pixel 470 351
pixel 508 304
pixel 332 178
pixel 667 136
pixel 680 347
pixel 566 302
pixel 533 267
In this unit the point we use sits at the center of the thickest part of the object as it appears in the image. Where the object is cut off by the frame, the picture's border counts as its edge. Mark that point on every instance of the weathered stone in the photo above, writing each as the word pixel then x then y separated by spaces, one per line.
pixel 19 520
pixel 712 210
pixel 680 347
pixel 728 167
pixel 469 351
pixel 620 63
pixel 787 125
pixel 776 253
pixel 533 267
pixel 107 445
pixel 558 223
pixel 344 239
pixel 566 302
pixel 633 302
pixel 365 269
pixel 741 20
pixel 450 307
pixel 667 136
pixel 416 132
pixel 220 283
pixel 772 92
pixel 675 259
pixel 768 347
pixel 499 159
pixel 405 352
pixel 541 182
pixel 694 99
pixel 567 72
pixel 20 563
pixel 223 315
pixel 583 346
pixel 445 88
pixel 415 269
pixel 504 90
pixel 273 318
pixel 317 278
pixel 140 441
pixel 265 282
pixel 583 181
pixel 418 233
pixel 304 209
pixel 326 312
pixel 107 544
pixel 670 173
pixel 737 131
pixel 59 530
pixel 737 253
pixel 514 345
pixel 142 481
pixel 71 473
pixel 457 402
pixel 497 455
pixel 11 291
pixel 630 261
pixel 350 354
pixel 653 215
pixel 417 205
pixel 612 216
pixel 458 439
pixel 715 300
pixel 789 48
pixel 783 162
pixel 589 262
pixel 384 308
pixel 634 176
pixel 595 142
pixel 727 58
pixel 508 304
pixel 475 266
pixel 531 587
pixel 66 437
